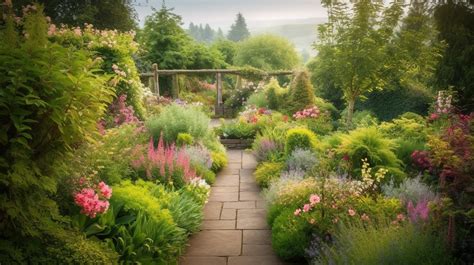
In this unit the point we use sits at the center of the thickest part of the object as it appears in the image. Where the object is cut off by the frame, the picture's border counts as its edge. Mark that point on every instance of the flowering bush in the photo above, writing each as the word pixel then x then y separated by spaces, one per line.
pixel 94 201
pixel 309 113
pixel 166 163
pixel 266 149
pixel 121 113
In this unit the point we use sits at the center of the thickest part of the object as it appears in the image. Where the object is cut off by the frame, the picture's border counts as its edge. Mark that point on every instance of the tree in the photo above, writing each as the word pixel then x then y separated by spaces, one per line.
pixel 267 52
pixel 238 30
pixel 227 48
pixel 455 22
pixel 220 34
pixel 352 47
pixel 301 93
pixel 208 35
pixel 103 14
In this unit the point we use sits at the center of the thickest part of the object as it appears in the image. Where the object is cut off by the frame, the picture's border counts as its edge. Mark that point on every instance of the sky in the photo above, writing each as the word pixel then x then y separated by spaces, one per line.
pixel 221 13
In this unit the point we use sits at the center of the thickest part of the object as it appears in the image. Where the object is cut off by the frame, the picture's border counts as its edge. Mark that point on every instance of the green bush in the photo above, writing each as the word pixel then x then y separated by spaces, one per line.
pixel 51 98
pixel 184 139
pixel 219 161
pixel 73 248
pixel 290 235
pixel 274 93
pixel 371 144
pixel 237 130
pixel 258 100
pixel 267 171
pixel 386 244
pixel 186 212
pixel 300 138
pixel 175 119
pixel 301 93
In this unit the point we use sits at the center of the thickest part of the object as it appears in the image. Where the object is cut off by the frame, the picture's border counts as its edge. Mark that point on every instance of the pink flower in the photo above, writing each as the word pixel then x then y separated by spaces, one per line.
pixel 105 190
pixel 306 208
pixel 297 212
pixel 351 212
pixel 365 217
pixel 400 217
pixel 314 199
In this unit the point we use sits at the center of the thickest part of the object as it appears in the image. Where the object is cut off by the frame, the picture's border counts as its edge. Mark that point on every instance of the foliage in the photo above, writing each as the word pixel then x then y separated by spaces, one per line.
pixel 184 139
pixel 168 45
pixel 237 130
pixel 50 101
pixel 227 48
pixel 290 235
pixel 385 244
pixel 301 160
pixel 115 51
pixel 175 119
pixel 186 212
pixel 267 171
pixel 265 149
pixel 371 144
pixel 390 103
pixel 113 14
pixel 275 94
pixel 219 161
pixel 301 93
pixel 238 31
pixel 236 98
pixel 267 52
pixel 317 121
pixel 299 138
pixel 258 100
pixel 454 21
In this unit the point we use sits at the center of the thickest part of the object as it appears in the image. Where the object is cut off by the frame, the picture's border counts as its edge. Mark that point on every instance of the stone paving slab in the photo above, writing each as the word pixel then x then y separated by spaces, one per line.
pixel 257 237
pixel 203 261
pixel 239 205
pixel 218 225
pixel 224 197
pixel 252 219
pixel 255 260
pixel 223 189
pixel 226 181
pixel 249 196
pixel 228 214
pixel 249 186
pixel 212 210
pixel 257 250
pixel 215 243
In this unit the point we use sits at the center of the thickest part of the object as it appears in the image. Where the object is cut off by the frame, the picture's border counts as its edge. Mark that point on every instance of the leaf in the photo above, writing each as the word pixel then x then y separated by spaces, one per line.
pixel 94 229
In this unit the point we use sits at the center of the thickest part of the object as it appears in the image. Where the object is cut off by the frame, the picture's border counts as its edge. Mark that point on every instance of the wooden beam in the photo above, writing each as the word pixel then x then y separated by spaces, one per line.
pixel 211 71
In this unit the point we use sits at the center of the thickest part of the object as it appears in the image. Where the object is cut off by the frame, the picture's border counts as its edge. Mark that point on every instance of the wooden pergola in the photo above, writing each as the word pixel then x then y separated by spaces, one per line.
pixel 154 75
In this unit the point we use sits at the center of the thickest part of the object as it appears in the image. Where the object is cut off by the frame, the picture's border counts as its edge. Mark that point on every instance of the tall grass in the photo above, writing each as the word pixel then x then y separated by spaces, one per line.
pixel 385 244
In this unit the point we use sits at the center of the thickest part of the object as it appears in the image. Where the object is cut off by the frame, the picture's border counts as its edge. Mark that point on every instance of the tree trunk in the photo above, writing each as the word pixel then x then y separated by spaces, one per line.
pixel 350 111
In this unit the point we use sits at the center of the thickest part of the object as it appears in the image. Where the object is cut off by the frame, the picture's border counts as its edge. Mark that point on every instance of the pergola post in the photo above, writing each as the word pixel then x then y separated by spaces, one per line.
pixel 175 86
pixel 219 106
pixel 156 82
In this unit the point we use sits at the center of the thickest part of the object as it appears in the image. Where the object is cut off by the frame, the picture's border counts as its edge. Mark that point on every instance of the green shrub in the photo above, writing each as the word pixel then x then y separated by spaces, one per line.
pixel 386 244
pixel 300 138
pixel 186 212
pixel 267 171
pixel 153 236
pixel 184 139
pixel 274 93
pixel 51 98
pixel 390 103
pixel 371 144
pixel 219 161
pixel 301 93
pixel 175 119
pixel 205 173
pixel 69 247
pixel 237 130
pixel 258 100
pixel 290 235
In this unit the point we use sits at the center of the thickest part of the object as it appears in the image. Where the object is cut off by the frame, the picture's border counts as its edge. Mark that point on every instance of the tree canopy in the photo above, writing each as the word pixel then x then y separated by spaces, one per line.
pixel 267 52
pixel 103 14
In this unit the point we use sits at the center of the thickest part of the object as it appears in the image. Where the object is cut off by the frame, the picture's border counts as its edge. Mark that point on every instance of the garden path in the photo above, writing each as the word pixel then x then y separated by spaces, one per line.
pixel 234 230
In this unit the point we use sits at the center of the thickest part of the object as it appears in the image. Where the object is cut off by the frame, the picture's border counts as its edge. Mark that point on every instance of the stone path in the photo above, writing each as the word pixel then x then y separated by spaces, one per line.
pixel 235 230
